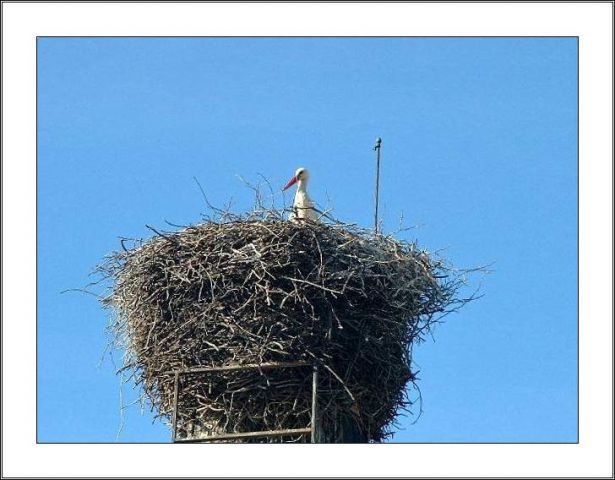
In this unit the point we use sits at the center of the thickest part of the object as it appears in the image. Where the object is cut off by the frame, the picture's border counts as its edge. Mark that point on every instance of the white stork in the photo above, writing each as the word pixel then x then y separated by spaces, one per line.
pixel 303 207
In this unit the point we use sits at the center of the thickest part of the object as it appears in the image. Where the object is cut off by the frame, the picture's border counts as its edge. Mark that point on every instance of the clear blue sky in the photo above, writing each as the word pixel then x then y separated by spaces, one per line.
pixel 479 151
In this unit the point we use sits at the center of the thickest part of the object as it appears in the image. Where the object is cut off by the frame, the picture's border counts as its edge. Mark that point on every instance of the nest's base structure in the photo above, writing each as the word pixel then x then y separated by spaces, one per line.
pixel 228 294
pixel 189 436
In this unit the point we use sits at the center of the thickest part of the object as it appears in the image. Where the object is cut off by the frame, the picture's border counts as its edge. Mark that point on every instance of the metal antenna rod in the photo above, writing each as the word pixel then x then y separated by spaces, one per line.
pixel 377 149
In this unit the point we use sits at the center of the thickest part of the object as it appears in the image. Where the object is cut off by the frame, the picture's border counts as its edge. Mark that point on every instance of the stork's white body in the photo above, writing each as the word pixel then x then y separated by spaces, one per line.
pixel 303 207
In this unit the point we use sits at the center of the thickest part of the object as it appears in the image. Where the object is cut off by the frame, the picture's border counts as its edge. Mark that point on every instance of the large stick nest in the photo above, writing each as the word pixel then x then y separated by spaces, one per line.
pixel 259 290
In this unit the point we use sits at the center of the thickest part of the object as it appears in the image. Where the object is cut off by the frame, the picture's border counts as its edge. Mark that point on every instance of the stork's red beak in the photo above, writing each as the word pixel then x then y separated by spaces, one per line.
pixel 290 183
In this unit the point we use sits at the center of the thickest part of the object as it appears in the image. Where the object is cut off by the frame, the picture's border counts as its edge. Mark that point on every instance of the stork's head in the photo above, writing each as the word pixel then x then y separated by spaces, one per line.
pixel 301 176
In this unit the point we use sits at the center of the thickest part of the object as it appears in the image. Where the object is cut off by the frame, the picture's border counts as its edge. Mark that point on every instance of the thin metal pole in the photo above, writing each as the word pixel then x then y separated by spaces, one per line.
pixel 245 366
pixel 377 149
pixel 231 436
pixel 314 401
pixel 175 395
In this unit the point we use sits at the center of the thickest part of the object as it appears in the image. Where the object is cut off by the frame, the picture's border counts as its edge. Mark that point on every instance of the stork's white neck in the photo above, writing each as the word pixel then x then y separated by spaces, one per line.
pixel 302 185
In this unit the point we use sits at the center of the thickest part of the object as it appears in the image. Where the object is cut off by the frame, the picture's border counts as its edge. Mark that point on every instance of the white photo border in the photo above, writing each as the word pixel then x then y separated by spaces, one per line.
pixel 591 22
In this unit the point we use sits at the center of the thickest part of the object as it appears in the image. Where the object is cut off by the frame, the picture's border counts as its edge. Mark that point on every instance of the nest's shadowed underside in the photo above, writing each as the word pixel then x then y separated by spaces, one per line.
pixel 254 291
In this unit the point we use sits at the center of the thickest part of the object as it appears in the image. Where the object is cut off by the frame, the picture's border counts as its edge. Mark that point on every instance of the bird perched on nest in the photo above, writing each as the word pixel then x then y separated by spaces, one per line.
pixel 303 207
